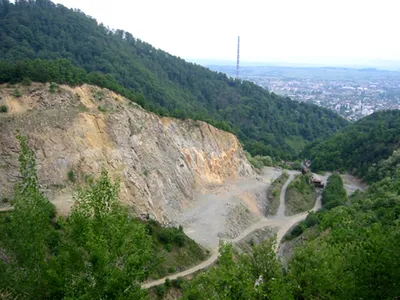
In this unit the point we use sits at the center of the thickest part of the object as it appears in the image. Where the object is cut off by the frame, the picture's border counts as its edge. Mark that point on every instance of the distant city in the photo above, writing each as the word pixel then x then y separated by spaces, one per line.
pixel 353 93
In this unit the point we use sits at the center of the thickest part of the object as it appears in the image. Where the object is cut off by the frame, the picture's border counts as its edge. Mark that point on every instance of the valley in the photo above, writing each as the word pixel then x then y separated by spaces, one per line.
pixel 206 220
pixel 128 173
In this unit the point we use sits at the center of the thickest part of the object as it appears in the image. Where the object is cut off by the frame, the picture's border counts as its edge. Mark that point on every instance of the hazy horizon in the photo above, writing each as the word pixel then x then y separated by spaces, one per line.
pixel 310 32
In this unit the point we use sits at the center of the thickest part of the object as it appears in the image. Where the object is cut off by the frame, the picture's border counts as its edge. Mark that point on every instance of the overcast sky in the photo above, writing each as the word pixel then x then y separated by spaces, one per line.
pixel 279 30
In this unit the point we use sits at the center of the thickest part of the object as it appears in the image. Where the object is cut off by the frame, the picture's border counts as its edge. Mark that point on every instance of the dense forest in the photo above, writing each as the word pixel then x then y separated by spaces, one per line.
pixel 358 146
pixel 266 123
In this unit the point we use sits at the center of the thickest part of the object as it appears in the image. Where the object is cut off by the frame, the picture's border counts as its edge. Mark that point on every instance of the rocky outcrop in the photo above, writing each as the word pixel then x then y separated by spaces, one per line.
pixel 161 162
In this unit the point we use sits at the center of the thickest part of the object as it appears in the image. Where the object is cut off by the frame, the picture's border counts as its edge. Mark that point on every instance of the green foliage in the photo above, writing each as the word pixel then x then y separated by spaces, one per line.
pixel 28 232
pixel 334 193
pixel 99 252
pixel 266 123
pixel 101 108
pixel 300 195
pixel 168 283
pixel 359 145
pixel 17 93
pixel 259 161
pixel 26 81
pixel 3 109
pixel 178 283
pixel 107 250
pixel 311 220
pixel 384 168
pixel 71 176
pixel 160 291
pixel 173 251
pixel 53 87
pixel 172 236
pixel 255 276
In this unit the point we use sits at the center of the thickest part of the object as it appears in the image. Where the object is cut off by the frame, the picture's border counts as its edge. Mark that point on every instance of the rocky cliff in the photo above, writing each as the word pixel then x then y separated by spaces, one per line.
pixel 161 162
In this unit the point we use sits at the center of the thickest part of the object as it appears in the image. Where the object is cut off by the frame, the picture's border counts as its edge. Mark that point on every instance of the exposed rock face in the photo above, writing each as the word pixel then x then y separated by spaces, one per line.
pixel 161 162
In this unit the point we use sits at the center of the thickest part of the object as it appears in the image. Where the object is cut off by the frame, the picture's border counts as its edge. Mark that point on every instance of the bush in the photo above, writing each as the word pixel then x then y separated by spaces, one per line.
pixel 71 176
pixel 17 93
pixel 311 220
pixel 26 81
pixel 3 109
pixel 172 235
pixel 168 247
pixel 160 290
pixel 334 193
pixel 101 108
pixel 168 283
pixel 53 87
pixel 178 283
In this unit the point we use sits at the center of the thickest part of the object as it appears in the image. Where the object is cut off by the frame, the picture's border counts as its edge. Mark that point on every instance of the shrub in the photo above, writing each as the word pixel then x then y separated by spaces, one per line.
pixel 3 109
pixel 26 81
pixel 168 283
pixel 178 283
pixel 17 93
pixel 171 270
pixel 160 290
pixel 179 239
pixel 53 87
pixel 71 176
pixel 101 108
pixel 168 247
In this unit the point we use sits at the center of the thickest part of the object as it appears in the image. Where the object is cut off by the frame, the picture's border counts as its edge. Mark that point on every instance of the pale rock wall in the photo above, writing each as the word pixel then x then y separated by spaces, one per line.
pixel 161 162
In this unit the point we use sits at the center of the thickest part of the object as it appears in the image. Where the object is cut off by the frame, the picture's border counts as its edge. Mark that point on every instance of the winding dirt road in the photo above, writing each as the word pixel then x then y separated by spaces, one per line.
pixel 281 222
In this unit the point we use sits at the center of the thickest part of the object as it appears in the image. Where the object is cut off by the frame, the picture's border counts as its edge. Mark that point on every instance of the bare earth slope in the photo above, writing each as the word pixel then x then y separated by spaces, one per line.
pixel 162 162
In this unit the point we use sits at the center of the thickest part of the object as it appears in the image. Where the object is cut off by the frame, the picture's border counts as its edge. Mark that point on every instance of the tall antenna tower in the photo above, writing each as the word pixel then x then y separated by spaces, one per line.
pixel 238 58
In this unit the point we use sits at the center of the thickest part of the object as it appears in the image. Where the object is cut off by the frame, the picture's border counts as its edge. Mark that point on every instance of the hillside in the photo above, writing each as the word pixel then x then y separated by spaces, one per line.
pixel 266 123
pixel 360 145
pixel 77 131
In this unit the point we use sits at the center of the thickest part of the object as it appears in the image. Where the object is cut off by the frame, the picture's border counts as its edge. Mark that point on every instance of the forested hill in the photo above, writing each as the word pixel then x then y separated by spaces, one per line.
pixel 267 124
pixel 359 146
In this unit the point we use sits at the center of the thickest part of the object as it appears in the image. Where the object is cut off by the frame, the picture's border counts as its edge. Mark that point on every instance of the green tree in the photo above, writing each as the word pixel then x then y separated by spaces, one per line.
pixel 30 231
pixel 105 252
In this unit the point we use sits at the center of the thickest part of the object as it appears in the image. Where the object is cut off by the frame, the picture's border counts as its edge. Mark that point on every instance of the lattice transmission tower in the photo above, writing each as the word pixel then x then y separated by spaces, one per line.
pixel 238 58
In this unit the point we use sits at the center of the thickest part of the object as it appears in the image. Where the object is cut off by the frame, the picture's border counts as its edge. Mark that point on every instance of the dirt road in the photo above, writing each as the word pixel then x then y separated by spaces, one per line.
pixel 282 223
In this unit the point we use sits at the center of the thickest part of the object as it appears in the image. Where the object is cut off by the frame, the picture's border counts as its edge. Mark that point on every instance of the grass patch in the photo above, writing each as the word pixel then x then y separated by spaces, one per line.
pixel 102 109
pixel 300 195
pixel 274 193
pixel 82 108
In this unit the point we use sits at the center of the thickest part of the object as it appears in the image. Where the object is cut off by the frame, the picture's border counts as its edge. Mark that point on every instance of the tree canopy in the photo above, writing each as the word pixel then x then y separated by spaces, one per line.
pixel 358 146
